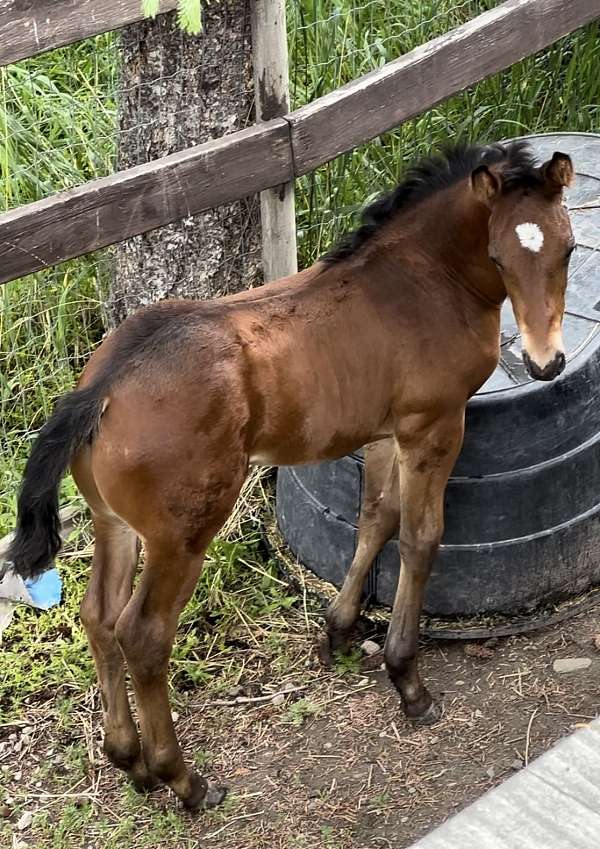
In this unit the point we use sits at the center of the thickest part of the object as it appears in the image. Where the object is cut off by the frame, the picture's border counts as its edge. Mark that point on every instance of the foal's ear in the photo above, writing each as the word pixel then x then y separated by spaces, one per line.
pixel 485 185
pixel 558 171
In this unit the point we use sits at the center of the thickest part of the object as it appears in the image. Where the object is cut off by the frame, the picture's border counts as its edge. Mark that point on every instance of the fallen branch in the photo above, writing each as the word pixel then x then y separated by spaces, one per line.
pixel 528 738
pixel 246 700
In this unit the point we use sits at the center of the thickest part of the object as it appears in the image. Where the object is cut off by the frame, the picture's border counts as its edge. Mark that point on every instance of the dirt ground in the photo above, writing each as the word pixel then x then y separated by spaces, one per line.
pixel 332 763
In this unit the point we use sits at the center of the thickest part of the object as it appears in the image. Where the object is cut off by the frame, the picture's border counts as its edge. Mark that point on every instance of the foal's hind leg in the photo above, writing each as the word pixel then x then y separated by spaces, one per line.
pixel 427 456
pixel 145 632
pixel 175 549
pixel 379 520
pixel 109 590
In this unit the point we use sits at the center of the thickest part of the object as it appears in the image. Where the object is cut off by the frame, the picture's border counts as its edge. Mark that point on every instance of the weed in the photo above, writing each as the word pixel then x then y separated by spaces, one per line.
pixel 348 663
pixel 299 711
pixel 330 837
pixel 64 712
pixel 202 759
pixel 380 800
pixel 75 759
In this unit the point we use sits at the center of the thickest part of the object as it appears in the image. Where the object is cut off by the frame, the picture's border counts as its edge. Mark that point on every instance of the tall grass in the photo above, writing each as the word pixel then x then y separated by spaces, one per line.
pixel 558 89
pixel 57 129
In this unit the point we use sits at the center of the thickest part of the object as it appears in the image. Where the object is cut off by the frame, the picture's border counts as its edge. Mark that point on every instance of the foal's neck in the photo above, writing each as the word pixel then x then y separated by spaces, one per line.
pixel 455 229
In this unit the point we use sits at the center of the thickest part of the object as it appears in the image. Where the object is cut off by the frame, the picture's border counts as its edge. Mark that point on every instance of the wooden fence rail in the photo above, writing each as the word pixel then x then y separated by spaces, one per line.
pixel 29 27
pixel 143 198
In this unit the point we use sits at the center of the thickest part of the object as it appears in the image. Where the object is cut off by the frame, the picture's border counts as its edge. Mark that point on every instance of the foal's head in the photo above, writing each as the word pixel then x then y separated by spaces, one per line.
pixel 530 242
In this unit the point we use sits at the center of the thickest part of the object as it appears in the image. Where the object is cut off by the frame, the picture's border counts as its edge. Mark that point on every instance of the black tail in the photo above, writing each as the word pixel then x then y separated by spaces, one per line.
pixel 145 334
pixel 37 537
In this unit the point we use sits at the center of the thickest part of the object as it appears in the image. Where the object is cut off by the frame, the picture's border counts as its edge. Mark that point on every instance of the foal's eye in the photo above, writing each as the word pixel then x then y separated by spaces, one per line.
pixel 496 262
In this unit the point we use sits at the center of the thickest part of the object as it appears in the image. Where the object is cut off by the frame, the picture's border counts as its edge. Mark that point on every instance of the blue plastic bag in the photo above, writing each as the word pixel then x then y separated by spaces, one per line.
pixel 45 591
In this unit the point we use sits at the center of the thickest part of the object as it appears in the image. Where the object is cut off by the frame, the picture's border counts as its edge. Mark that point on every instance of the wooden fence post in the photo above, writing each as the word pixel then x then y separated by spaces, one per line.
pixel 271 78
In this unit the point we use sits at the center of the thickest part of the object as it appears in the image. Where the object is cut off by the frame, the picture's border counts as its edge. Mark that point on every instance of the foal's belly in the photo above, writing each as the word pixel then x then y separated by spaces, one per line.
pixel 332 446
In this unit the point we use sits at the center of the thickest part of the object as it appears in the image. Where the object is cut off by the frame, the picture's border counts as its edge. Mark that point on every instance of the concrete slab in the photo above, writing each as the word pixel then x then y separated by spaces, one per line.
pixel 553 804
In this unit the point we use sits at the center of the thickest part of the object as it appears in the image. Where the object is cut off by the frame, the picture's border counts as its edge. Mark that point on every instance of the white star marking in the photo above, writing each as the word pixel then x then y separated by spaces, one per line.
pixel 530 236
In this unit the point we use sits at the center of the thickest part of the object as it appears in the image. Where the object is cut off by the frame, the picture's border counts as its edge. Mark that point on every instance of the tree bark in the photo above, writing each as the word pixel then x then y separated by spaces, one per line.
pixel 176 91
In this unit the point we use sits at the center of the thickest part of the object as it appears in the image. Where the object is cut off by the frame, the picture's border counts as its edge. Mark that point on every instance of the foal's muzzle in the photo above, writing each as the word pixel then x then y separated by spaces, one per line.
pixel 551 370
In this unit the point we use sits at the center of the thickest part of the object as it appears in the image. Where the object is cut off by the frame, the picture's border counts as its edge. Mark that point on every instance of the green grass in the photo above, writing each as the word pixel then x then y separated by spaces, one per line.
pixel 47 652
pixel 57 129
pixel 558 89
pixel 162 828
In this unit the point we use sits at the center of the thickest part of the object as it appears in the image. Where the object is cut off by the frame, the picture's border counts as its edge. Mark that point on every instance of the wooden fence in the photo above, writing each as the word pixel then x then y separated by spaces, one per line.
pixel 29 27
pixel 111 209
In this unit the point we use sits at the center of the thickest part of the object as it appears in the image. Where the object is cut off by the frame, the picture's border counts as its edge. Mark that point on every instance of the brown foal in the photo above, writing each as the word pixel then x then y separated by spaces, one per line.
pixel 388 336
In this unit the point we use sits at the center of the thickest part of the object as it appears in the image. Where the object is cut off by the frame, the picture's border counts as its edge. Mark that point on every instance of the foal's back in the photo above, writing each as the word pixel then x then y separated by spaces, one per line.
pixel 278 371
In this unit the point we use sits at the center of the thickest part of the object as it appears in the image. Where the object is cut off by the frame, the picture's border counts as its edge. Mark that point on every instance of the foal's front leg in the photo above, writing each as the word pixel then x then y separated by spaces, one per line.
pixel 426 457
pixel 379 520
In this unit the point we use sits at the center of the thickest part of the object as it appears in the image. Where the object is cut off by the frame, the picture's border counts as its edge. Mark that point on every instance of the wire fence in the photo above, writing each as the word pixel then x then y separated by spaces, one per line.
pixel 330 48
pixel 78 113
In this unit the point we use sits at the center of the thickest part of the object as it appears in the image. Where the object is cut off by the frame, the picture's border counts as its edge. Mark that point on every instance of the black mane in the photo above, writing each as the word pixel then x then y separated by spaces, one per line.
pixel 434 173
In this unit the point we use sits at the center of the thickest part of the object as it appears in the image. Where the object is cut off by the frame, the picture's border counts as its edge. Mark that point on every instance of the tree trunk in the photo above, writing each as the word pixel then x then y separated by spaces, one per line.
pixel 178 91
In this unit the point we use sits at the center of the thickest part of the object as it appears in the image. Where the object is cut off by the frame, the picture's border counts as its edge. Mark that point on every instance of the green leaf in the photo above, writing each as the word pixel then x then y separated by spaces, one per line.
pixel 150 8
pixel 190 16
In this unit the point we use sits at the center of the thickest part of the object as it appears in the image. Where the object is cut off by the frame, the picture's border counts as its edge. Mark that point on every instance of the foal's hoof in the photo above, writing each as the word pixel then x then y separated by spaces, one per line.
pixel 214 796
pixel 143 781
pixel 324 652
pixel 146 783
pixel 429 717
pixel 331 644
pixel 203 795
